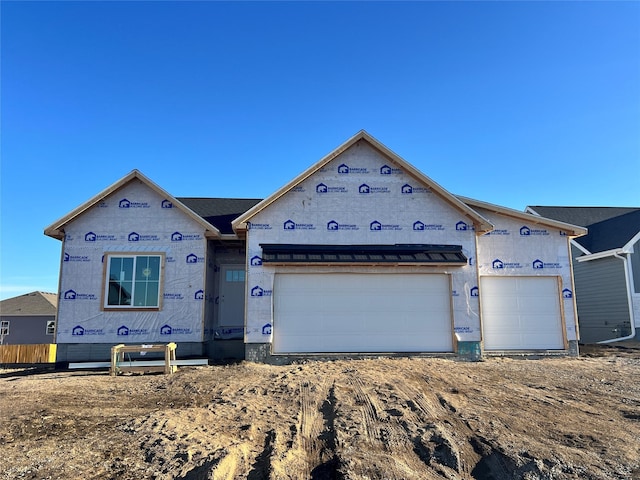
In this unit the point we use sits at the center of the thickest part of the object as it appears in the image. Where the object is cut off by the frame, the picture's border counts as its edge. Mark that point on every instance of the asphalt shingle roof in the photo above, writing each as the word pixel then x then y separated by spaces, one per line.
pixel 34 303
pixel 581 216
pixel 219 212
pixel 609 227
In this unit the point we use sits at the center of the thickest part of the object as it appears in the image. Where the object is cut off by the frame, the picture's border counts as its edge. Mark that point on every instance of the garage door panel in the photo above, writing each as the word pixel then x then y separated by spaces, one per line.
pixel 361 313
pixel 521 313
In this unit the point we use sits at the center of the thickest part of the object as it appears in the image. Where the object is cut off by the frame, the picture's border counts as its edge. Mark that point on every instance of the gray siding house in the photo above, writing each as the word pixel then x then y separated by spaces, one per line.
pixel 28 319
pixel 359 254
pixel 606 265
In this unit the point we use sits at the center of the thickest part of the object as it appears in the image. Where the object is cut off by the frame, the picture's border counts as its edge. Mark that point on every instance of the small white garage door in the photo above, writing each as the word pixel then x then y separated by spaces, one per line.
pixel 361 313
pixel 521 313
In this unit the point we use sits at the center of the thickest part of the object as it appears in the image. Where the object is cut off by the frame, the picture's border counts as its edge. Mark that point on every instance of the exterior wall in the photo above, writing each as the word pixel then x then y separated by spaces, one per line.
pixel 515 248
pixel 331 208
pixel 601 295
pixel 27 329
pixel 107 227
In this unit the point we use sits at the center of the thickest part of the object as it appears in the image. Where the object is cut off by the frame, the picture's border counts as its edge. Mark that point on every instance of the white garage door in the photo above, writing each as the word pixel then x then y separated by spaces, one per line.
pixel 361 313
pixel 521 313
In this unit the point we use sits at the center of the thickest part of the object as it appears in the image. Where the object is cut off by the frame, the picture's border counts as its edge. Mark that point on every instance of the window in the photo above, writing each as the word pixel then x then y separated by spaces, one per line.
pixel 4 327
pixel 133 281
pixel 235 276
pixel 51 326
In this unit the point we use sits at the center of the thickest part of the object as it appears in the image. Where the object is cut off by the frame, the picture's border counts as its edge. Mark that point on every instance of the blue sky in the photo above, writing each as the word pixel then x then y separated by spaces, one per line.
pixel 521 103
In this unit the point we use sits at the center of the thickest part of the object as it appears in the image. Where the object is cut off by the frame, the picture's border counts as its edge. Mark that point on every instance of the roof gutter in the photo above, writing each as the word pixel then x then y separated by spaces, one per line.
pixel 630 304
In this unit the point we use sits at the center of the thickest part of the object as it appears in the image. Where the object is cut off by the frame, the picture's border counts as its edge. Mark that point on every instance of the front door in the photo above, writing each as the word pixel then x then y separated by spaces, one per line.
pixel 231 302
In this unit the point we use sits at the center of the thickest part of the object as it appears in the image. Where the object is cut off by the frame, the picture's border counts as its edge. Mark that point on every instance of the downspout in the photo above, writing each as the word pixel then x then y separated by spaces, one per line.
pixel 629 301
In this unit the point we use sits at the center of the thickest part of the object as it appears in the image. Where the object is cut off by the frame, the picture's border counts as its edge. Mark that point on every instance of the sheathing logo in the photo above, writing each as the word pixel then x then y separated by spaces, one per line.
pixel 323 188
pixel 124 331
pixel 376 226
pixel 291 225
pixel 498 264
pixel 169 330
pixel 365 189
pixel 538 264
pixel 258 226
pixel 73 295
pixel 192 258
pixel 529 232
pixel 334 226
pixel 136 237
pixel 258 291
pixel 173 296
pixel 345 169
pixel 420 226
pixel 463 226
pixel 94 237
pixel 387 170
pixel 407 189
pixel 125 203
pixel 76 258
pixel 80 331
pixel 183 237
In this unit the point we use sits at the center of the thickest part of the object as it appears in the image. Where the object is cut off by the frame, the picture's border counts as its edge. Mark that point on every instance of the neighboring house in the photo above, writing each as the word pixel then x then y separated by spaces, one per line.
pixel 606 265
pixel 28 319
pixel 361 253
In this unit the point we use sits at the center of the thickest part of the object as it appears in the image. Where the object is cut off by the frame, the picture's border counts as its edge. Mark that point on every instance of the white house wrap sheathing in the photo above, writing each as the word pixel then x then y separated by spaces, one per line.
pixel 359 197
pixel 133 219
pixel 517 247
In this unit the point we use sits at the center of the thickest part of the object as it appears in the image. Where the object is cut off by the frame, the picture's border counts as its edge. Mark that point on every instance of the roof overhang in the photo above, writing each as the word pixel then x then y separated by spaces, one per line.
pixel 56 229
pixel 400 254
pixel 570 230
pixel 481 224
pixel 608 253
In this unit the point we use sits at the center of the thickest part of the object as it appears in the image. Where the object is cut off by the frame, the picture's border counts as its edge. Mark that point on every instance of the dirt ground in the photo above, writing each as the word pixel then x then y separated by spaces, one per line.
pixel 384 418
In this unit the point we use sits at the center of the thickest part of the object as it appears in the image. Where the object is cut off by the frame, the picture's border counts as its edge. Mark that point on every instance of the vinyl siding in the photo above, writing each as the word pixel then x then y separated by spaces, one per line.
pixel 601 296
pixel 27 329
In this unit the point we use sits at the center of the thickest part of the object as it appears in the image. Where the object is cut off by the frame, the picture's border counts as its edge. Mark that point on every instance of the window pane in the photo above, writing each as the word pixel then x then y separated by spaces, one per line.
pixel 120 293
pixel 147 268
pixel 154 266
pixel 152 294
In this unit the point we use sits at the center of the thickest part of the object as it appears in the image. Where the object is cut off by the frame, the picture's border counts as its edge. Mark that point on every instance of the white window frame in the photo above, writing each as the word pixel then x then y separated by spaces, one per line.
pixel 4 327
pixel 51 327
pixel 108 257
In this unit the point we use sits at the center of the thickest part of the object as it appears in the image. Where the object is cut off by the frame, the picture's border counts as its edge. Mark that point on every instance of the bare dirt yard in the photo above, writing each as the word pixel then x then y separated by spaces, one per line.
pixel 383 418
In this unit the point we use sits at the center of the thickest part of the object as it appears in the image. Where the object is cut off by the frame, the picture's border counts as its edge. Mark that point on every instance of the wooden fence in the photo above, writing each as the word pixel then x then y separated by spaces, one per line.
pixel 42 353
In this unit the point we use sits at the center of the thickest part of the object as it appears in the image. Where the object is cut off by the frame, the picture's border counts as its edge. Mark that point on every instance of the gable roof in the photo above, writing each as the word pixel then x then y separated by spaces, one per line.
pixel 480 223
pixel 219 212
pixel 609 227
pixel 34 303
pixel 56 229
pixel 570 229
